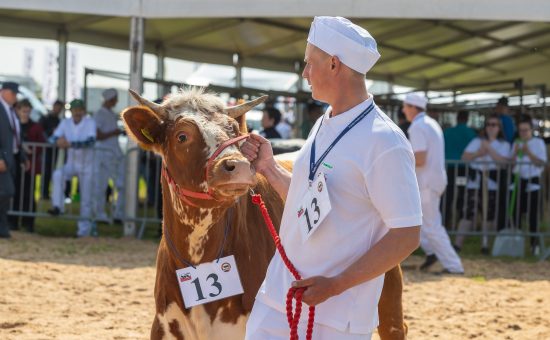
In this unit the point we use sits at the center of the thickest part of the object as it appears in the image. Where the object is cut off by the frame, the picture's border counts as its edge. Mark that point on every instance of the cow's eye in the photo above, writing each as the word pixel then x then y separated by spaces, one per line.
pixel 182 137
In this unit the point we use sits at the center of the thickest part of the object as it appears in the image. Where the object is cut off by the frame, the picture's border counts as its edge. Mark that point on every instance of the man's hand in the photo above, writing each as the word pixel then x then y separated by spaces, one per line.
pixel 3 166
pixel 258 151
pixel 26 165
pixel 318 289
pixel 63 143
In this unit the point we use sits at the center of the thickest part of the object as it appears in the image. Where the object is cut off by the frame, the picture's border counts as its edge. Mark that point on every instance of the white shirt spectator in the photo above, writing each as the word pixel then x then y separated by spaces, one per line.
pixel 526 168
pixel 485 162
pixel 83 132
pixel 426 135
pixel 372 187
pixel 284 129
pixel 106 121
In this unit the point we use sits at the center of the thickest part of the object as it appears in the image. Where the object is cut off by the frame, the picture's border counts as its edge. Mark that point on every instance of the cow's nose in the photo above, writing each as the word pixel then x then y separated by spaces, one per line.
pixel 235 165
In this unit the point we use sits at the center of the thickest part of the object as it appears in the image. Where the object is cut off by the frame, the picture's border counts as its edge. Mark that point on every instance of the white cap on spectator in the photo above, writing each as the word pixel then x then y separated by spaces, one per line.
pixel 417 100
pixel 339 37
pixel 109 94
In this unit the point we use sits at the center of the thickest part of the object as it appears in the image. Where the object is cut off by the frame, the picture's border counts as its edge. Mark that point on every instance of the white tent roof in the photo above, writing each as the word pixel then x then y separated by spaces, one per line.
pixel 533 10
pixel 436 44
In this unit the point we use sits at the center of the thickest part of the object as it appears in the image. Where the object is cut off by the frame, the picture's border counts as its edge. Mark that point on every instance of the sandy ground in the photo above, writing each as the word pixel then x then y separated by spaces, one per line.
pixel 53 288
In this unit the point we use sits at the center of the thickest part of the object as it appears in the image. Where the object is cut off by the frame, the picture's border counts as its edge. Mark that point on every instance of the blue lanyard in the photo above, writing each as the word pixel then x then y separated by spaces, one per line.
pixel 314 166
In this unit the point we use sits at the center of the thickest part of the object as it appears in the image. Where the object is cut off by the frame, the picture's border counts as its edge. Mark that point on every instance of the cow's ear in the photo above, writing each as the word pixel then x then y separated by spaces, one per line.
pixel 143 126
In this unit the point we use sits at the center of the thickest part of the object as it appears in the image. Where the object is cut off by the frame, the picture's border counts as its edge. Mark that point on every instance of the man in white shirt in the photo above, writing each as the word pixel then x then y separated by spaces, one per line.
pixel 369 220
pixel 428 145
pixel 77 134
pixel 108 161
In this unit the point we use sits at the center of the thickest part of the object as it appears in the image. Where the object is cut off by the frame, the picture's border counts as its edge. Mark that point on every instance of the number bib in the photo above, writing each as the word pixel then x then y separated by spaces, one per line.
pixel 314 208
pixel 209 281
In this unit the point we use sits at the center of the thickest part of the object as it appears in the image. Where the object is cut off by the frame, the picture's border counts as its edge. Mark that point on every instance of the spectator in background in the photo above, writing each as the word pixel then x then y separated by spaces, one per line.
pixel 485 153
pixel 530 153
pixel 77 134
pixel 271 117
pixel 10 151
pixel 314 111
pixel 456 140
pixel 508 125
pixel 108 160
pixel 428 146
pixel 25 179
pixel 49 123
pixel 285 125
pixel 403 123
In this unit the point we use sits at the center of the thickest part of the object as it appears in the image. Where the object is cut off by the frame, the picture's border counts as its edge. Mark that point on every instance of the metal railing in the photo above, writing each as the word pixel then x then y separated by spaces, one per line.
pixel 489 196
pixel 490 199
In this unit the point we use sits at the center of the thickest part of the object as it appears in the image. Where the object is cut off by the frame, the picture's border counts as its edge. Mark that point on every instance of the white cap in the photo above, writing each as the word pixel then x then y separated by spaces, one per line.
pixel 417 100
pixel 109 94
pixel 339 37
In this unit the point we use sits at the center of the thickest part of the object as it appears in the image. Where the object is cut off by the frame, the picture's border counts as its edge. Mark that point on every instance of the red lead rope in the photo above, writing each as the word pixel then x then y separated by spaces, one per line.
pixel 293 293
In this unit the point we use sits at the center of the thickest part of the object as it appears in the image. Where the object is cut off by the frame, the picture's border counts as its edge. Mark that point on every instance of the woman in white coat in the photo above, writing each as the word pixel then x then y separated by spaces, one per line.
pixel 486 155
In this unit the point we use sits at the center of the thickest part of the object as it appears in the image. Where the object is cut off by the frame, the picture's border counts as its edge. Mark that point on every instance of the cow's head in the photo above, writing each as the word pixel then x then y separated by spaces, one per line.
pixel 186 130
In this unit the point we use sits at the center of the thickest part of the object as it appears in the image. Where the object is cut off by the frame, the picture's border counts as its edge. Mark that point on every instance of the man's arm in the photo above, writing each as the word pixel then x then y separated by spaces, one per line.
pixel 258 151
pixel 420 158
pixel 393 248
pixel 106 135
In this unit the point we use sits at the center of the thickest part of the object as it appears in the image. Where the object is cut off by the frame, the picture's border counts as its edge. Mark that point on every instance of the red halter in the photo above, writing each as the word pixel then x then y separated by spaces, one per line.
pixel 184 193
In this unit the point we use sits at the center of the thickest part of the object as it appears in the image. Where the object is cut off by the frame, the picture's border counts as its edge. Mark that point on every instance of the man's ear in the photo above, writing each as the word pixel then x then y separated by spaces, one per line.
pixel 143 126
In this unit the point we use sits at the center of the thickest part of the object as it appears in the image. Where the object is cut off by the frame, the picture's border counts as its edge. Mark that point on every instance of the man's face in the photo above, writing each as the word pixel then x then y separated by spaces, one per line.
pixel 56 109
pixel 77 113
pixel 316 72
pixel 9 96
pixel 409 111
pixel 525 131
pixel 266 121
pixel 24 113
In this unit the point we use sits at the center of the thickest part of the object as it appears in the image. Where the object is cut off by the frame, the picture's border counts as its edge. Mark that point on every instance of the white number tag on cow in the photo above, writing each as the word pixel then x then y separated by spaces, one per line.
pixel 209 281
pixel 314 208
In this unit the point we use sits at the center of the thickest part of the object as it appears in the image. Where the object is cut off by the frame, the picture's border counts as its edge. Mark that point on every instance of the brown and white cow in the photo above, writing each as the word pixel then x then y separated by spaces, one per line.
pixel 186 130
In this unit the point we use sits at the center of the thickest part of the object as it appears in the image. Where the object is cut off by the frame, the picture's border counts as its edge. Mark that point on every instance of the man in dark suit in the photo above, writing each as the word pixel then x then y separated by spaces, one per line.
pixel 11 153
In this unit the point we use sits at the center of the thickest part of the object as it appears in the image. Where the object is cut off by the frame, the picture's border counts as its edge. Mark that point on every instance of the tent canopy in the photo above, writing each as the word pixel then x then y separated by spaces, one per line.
pixel 421 51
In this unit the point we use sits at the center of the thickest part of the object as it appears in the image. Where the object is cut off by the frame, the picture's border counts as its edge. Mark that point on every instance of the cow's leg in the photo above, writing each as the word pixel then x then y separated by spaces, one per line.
pixel 390 308
pixel 157 333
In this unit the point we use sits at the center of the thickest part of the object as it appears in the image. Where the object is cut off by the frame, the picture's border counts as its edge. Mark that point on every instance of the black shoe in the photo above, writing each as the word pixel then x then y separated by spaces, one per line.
pixel 457 248
pixel 54 211
pixel 5 234
pixel 430 260
pixel 485 251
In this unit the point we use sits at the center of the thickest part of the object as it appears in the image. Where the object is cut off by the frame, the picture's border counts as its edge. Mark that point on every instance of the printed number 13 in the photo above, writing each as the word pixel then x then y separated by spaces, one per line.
pixel 215 283
pixel 315 208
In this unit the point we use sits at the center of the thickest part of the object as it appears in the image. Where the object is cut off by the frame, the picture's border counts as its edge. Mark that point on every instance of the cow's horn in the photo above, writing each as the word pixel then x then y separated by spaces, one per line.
pixel 239 110
pixel 157 108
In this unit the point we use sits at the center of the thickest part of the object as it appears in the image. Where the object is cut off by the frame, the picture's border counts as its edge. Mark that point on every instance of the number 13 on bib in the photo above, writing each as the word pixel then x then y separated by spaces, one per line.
pixel 314 208
pixel 209 281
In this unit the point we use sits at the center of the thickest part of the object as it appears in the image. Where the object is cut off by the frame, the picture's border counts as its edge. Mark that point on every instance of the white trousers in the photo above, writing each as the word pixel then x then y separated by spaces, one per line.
pixel 84 174
pixel 433 236
pixel 266 323
pixel 108 165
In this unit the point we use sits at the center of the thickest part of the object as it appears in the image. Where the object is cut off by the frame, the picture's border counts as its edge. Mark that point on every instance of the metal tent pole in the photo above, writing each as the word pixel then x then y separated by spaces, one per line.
pixel 137 42
pixel 62 39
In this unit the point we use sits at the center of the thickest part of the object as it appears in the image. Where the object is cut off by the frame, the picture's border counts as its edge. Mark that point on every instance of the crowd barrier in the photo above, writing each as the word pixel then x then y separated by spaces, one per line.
pixel 484 200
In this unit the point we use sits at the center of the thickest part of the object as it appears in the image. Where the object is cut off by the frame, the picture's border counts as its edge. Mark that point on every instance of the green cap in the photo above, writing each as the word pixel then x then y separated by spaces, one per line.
pixel 76 103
